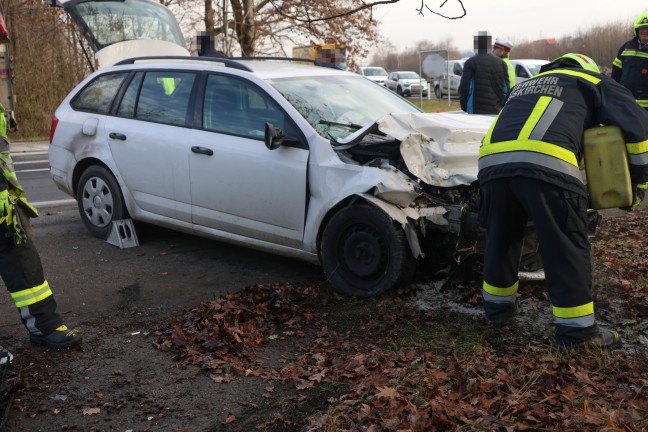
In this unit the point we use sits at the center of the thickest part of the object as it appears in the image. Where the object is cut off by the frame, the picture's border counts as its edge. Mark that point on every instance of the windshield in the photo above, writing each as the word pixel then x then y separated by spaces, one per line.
pixel 337 106
pixel 112 21
pixel 374 71
pixel 535 68
pixel 408 75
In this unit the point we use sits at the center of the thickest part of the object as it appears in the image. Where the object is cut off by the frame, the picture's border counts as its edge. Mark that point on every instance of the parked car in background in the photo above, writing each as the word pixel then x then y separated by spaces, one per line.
pixel 376 74
pixel 407 83
pixel 526 68
pixel 448 82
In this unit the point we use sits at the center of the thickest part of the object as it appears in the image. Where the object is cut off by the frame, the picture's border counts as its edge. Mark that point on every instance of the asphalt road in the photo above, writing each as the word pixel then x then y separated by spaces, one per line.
pixel 168 270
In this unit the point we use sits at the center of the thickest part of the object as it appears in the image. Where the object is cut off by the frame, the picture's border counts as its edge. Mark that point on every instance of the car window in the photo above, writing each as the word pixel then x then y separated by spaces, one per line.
pixel 163 97
pixel 97 97
pixel 235 106
pixel 336 106
pixel 521 72
pixel 457 69
pixel 109 22
pixel 127 105
pixel 374 71
pixel 408 75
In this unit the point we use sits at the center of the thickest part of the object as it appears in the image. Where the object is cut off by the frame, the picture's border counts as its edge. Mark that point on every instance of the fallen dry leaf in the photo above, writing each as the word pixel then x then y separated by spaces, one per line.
pixel 91 411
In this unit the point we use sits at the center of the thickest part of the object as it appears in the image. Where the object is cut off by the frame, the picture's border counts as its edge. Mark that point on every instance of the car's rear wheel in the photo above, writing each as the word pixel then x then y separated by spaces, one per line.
pixel 364 253
pixel 100 200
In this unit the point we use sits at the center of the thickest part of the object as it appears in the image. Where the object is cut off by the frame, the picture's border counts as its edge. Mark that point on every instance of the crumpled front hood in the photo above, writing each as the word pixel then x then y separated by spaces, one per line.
pixel 441 149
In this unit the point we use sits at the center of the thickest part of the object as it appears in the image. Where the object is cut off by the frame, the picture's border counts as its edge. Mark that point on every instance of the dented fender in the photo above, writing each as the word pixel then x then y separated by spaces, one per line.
pixel 407 216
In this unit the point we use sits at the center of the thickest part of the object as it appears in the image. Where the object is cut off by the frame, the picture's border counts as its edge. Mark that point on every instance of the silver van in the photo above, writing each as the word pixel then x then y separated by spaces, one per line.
pixel 526 68
pixel 448 82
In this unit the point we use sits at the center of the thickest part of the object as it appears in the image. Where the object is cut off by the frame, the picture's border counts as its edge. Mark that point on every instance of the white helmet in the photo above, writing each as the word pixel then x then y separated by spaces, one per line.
pixel 506 45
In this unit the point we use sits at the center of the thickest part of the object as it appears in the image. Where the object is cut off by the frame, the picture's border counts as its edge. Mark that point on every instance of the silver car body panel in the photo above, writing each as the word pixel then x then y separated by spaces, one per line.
pixel 283 217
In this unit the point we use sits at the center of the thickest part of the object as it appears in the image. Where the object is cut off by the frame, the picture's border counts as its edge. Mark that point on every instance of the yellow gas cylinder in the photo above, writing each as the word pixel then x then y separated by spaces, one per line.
pixel 606 167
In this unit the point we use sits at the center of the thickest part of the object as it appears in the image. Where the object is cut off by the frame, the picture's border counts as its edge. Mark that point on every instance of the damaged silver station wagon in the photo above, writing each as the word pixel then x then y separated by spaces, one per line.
pixel 299 160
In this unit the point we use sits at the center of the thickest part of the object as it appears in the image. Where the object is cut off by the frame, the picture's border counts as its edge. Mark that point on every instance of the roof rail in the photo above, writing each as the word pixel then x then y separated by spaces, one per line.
pixel 225 61
pixel 289 59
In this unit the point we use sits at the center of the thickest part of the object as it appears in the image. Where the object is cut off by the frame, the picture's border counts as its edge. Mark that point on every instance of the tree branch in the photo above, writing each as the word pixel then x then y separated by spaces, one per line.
pixel 339 15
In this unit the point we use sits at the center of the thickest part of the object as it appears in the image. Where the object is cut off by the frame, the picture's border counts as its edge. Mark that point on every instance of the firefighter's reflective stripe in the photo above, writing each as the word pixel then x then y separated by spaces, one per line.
pixel 525 154
pixel 594 80
pixel 500 295
pixel 619 64
pixel 32 295
pixel 528 146
pixel 638 153
pixel 630 53
pixel 576 316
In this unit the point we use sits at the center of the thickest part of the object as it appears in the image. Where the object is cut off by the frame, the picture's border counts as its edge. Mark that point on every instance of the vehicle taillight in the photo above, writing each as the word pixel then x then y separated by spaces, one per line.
pixel 53 128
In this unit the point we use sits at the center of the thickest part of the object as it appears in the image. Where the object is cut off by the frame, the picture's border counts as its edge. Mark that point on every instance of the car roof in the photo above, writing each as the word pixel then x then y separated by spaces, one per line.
pixel 264 69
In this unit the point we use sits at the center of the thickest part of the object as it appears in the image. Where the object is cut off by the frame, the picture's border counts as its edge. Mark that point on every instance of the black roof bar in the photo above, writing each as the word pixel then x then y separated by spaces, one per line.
pixel 226 61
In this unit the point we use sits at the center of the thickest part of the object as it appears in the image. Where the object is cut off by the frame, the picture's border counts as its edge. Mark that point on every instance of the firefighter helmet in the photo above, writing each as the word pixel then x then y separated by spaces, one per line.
pixel 641 21
pixel 579 60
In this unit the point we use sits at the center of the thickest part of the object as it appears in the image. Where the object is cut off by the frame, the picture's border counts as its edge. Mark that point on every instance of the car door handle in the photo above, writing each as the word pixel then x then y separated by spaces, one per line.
pixel 116 135
pixel 202 150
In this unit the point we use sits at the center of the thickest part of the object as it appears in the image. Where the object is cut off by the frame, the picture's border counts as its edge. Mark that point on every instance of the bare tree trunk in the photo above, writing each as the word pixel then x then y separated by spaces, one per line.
pixel 209 18
pixel 248 29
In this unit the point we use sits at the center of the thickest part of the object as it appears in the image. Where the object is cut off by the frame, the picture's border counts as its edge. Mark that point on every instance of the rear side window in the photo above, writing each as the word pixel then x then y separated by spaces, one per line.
pixel 163 97
pixel 127 105
pixel 97 96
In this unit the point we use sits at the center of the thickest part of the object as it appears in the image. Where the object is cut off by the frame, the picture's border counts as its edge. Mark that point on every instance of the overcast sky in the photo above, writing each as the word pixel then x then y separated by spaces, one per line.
pixel 510 19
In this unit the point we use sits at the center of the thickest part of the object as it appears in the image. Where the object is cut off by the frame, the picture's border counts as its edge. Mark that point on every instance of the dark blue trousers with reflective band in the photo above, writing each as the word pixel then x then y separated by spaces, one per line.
pixel 560 219
pixel 22 272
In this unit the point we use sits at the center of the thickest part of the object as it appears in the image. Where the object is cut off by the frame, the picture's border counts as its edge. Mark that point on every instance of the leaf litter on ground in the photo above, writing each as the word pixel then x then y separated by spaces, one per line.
pixel 425 359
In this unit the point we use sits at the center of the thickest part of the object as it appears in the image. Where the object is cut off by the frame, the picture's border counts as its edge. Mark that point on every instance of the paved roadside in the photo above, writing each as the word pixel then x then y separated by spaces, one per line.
pixel 29 146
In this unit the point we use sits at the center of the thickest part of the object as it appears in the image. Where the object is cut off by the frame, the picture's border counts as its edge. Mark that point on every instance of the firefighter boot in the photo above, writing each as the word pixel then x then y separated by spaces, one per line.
pixel 500 314
pixel 604 339
pixel 62 337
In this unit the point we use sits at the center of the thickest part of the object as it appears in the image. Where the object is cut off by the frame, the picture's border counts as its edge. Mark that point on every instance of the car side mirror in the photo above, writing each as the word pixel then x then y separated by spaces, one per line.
pixel 275 138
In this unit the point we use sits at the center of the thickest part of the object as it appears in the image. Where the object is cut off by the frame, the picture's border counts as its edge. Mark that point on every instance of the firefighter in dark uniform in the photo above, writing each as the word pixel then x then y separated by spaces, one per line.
pixel 529 168
pixel 20 265
pixel 630 67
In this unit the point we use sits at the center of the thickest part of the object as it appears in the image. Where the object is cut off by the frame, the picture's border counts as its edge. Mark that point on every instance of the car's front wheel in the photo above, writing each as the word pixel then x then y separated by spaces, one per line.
pixel 100 201
pixel 364 253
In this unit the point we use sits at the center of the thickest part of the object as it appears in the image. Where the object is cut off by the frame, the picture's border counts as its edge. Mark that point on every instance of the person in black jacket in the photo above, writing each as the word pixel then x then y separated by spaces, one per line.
pixel 631 63
pixel 529 168
pixel 484 81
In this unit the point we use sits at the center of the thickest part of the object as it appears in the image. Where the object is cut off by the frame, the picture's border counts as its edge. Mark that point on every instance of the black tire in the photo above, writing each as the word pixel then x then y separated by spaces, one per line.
pixel 399 91
pixel 100 201
pixel 364 253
